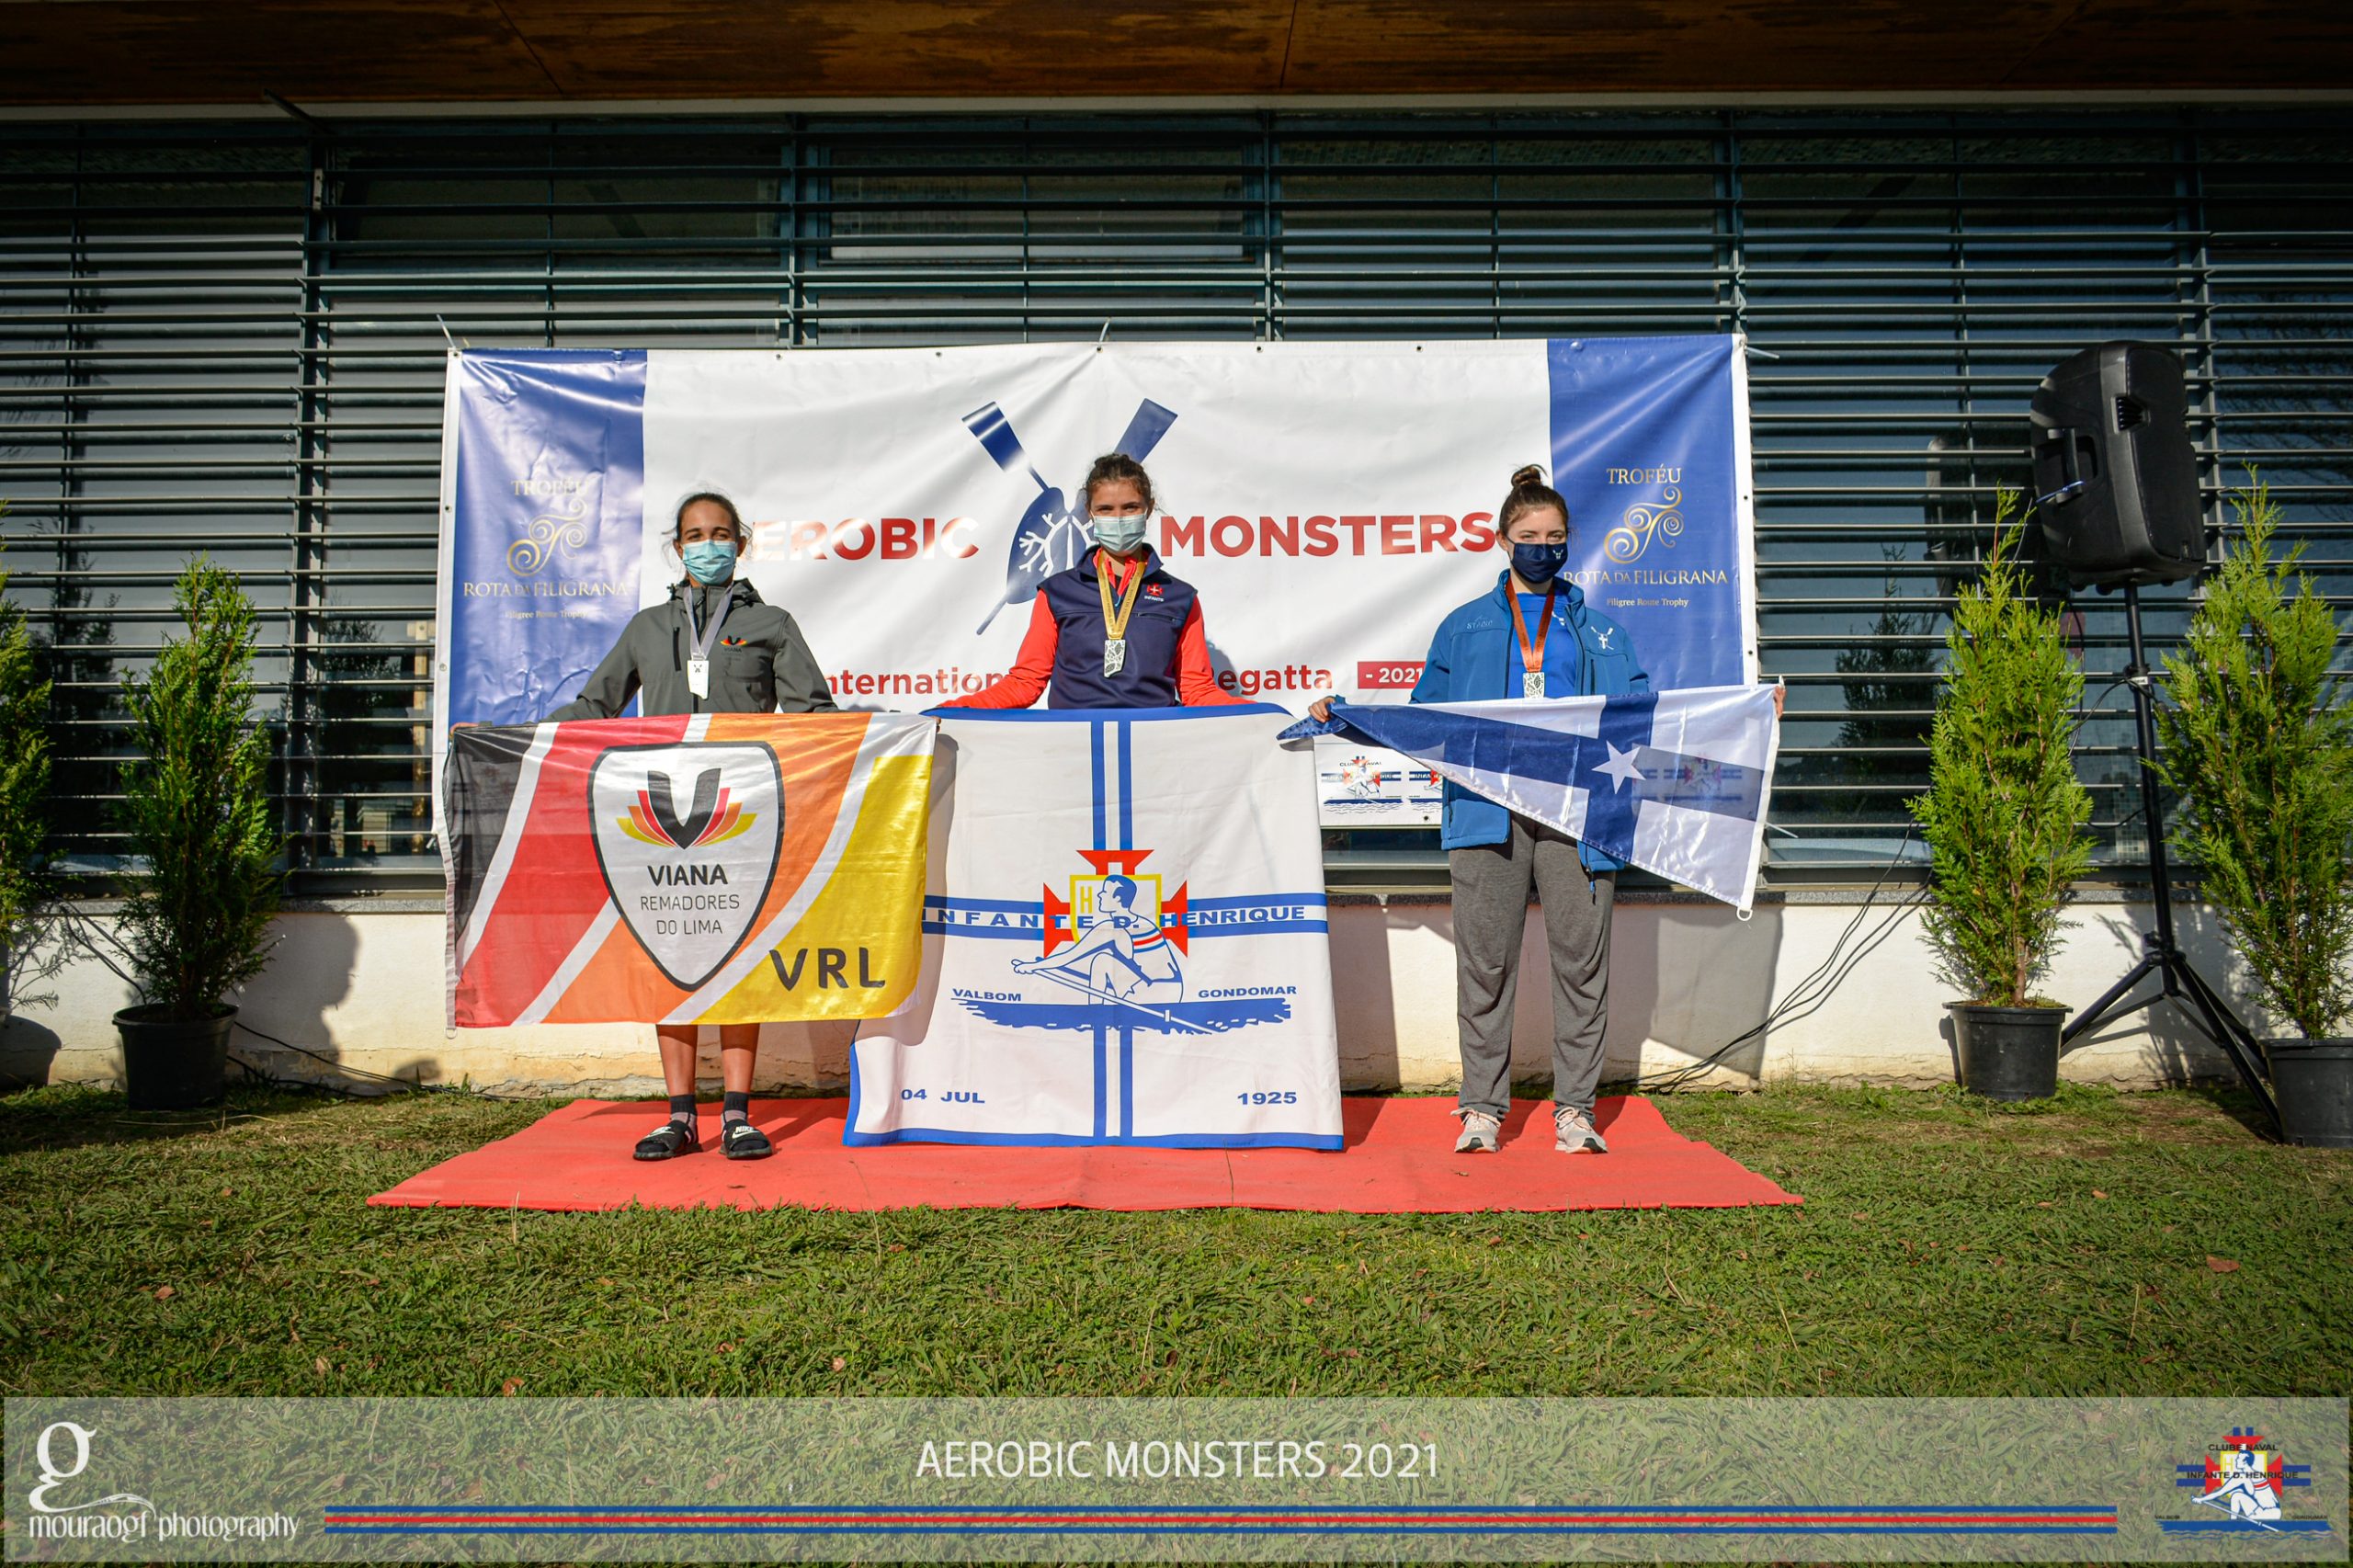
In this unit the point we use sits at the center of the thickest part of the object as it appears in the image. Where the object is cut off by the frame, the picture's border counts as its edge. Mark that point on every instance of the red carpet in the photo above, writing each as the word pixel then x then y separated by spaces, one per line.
pixel 1398 1160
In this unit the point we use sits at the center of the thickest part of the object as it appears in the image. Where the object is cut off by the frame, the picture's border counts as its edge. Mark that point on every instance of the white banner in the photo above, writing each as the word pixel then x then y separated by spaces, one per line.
pixel 1327 501
pixel 1330 501
pixel 1125 942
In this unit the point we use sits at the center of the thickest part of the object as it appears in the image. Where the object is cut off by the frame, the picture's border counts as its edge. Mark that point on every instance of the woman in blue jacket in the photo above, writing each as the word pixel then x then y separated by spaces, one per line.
pixel 1532 636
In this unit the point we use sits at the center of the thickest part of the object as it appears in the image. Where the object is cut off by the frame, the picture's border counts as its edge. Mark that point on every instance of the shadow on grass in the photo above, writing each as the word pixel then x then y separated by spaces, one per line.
pixel 2238 1102
pixel 69 1116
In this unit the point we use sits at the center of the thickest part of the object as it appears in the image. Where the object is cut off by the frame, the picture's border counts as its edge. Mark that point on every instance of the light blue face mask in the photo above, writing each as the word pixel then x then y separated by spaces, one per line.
pixel 710 561
pixel 1117 535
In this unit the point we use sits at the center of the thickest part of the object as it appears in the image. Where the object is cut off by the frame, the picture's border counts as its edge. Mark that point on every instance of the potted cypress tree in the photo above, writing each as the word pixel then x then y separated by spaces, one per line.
pixel 2005 818
pixel 2258 743
pixel 195 807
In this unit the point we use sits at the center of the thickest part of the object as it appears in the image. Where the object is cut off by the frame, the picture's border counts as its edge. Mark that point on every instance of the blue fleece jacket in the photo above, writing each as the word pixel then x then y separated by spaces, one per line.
pixel 1475 658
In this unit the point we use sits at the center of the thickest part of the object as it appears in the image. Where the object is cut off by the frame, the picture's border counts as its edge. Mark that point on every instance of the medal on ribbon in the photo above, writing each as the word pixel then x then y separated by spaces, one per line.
pixel 701 640
pixel 1115 616
pixel 1532 650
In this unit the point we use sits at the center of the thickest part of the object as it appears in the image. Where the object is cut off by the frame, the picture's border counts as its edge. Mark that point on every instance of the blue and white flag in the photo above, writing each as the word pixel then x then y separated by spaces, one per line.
pixel 1675 782
pixel 1125 940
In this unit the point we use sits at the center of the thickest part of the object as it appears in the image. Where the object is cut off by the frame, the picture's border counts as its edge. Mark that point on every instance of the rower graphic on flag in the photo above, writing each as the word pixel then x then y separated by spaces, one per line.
pixel 1675 782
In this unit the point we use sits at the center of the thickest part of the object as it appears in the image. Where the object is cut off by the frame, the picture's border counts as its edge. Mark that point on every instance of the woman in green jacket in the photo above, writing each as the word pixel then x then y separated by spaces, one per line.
pixel 714 646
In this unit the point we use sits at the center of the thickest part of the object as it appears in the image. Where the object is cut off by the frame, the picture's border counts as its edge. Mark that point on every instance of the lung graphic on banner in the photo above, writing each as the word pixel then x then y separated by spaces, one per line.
pixel 1124 941
pixel 1331 501
pixel 716 868
pixel 1052 534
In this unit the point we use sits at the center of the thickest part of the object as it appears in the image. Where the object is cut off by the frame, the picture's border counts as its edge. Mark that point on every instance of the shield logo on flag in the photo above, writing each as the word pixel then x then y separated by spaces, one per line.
pixel 687 836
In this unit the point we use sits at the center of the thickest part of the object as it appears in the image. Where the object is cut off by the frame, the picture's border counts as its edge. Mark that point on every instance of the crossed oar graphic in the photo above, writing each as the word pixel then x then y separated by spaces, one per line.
pixel 1052 509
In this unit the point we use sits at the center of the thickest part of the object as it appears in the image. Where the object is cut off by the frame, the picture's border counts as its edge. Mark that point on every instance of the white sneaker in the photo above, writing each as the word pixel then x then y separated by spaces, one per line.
pixel 1482 1133
pixel 1574 1132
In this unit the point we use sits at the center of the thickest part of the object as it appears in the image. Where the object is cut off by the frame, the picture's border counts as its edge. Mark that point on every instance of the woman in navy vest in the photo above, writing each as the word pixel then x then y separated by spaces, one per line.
pixel 1115 630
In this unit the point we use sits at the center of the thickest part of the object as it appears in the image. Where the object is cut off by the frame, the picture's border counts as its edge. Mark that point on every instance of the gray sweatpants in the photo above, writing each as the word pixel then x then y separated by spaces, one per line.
pixel 1491 889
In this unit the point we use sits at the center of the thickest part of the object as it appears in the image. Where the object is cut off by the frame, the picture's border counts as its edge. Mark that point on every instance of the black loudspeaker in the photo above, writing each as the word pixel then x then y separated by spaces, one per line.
pixel 2115 479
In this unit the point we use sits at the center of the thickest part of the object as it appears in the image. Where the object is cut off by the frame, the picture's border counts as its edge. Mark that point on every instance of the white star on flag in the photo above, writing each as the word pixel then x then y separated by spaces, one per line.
pixel 1621 768
pixel 1700 761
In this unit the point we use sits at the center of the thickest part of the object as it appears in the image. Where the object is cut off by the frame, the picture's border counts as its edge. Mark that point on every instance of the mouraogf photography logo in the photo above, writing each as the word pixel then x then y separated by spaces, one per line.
pixel 67 1503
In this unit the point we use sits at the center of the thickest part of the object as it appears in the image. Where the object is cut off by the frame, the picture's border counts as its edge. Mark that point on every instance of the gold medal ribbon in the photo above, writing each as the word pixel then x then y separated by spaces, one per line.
pixel 1115 620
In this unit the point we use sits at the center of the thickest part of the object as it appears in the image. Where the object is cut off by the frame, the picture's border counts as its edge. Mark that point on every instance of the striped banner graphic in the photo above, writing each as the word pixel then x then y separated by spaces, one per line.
pixel 1464 1519
pixel 713 869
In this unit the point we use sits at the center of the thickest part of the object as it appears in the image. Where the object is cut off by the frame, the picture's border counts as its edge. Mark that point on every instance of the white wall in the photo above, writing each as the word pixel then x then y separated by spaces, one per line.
pixel 364 990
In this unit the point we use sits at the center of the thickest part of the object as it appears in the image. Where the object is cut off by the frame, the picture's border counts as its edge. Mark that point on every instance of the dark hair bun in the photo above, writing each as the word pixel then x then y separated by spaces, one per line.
pixel 1532 475
pixel 1113 466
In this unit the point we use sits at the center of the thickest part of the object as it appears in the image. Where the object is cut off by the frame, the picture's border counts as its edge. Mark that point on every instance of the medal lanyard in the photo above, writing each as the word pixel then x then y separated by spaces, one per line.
pixel 1115 620
pixel 704 641
pixel 1531 653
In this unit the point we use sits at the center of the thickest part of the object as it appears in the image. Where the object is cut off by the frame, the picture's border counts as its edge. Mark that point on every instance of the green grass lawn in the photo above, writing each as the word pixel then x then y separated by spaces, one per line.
pixel 2102 1244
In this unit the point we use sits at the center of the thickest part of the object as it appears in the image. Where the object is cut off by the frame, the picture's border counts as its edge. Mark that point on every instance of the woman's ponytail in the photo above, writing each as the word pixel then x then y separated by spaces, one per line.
pixel 1528 493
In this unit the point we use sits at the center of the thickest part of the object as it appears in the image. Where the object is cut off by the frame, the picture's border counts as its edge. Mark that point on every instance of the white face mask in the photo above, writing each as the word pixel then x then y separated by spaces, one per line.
pixel 1117 535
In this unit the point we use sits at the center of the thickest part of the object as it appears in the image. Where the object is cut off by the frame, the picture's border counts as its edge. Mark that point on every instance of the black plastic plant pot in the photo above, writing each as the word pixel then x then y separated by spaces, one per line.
pixel 173 1064
pixel 2009 1053
pixel 2313 1081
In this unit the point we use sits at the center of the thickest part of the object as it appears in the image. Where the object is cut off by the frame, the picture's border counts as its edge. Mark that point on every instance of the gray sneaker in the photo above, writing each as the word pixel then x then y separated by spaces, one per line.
pixel 1574 1132
pixel 1480 1133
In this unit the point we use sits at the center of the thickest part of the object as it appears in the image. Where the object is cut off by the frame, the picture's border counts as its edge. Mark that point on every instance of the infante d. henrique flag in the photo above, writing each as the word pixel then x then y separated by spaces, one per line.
pixel 1675 782
pixel 716 868
pixel 1125 941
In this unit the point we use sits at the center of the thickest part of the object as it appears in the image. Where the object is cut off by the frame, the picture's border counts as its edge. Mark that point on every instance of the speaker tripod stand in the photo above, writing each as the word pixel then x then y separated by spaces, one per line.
pixel 2160 955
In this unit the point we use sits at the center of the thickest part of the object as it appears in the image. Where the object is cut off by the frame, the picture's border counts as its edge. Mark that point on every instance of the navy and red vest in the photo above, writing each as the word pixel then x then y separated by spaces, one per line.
pixel 1148 679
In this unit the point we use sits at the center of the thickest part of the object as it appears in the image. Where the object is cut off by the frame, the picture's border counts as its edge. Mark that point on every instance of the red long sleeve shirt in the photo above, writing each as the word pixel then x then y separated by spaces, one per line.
pixel 1033 667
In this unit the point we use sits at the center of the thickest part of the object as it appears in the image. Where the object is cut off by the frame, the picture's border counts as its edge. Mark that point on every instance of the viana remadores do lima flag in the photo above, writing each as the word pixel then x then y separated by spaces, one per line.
pixel 715 869
pixel 1675 782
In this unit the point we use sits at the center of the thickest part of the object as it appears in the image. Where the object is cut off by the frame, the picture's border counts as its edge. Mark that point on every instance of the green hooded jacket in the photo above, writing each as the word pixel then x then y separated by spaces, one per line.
pixel 761 663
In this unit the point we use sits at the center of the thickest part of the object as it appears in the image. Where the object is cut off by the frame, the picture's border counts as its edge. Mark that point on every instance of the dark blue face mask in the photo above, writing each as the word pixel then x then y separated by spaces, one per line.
pixel 1538 563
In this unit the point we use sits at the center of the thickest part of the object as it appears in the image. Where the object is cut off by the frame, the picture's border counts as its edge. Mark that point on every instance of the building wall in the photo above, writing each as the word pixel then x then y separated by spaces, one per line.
pixel 1851 982
pixel 230 337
